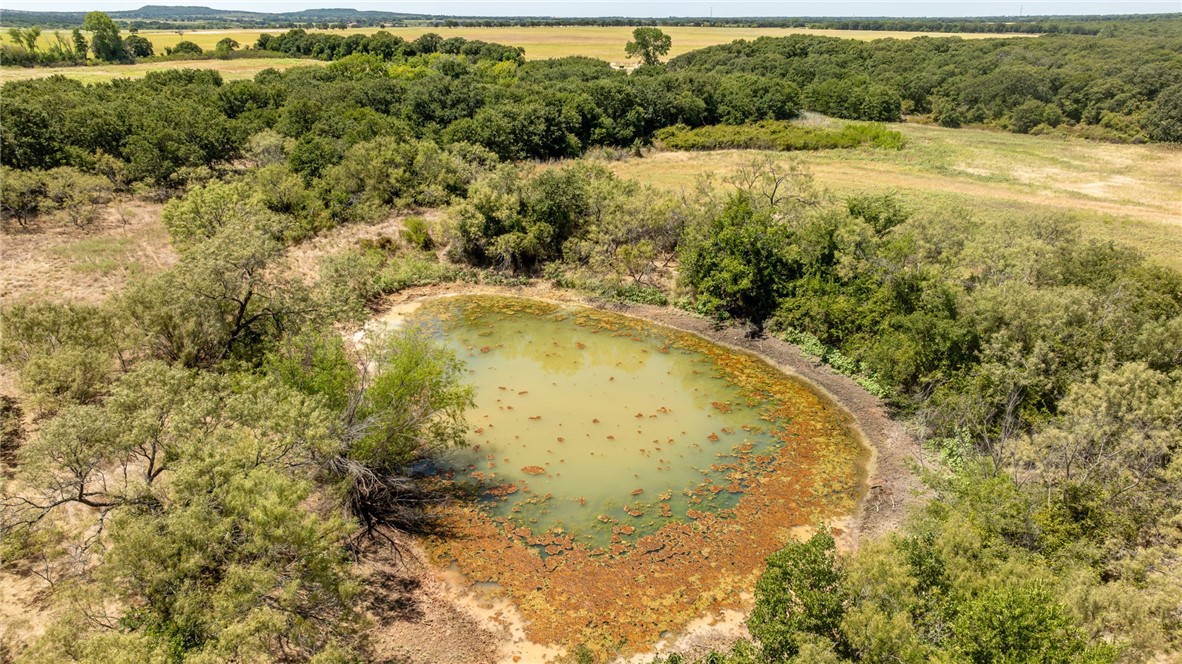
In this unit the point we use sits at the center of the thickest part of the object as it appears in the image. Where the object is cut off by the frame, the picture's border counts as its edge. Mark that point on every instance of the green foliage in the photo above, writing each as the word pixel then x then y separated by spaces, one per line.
pixel 413 407
pixel 1164 120
pixel 649 44
pixel 70 375
pixel 353 279
pixel 280 586
pixel 105 41
pixel 738 263
pixel 516 223
pixel 1016 624
pixel 1111 434
pixel 1056 79
pixel 317 364
pixel 222 560
pixel 883 212
pixel 137 46
pixel 417 235
pixel 801 592
pixel 219 302
pixel 184 47
pixel 778 135
pixel 854 98
pixel 1032 114
pixel 207 210
pixel 224 47
pixel 74 196
pixel 23 195
pixel 384 173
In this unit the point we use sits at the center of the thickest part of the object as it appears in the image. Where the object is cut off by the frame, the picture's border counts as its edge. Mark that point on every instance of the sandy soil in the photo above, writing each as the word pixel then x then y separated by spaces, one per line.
pixel 56 261
pixel 448 617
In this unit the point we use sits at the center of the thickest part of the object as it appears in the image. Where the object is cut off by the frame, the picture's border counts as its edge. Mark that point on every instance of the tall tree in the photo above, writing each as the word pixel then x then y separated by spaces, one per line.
pixel 80 44
pixel 105 40
pixel 649 44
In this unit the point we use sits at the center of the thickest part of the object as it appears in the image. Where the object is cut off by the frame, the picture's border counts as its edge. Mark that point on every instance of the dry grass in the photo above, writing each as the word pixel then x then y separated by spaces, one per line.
pixel 606 43
pixel 1126 193
pixel 547 41
pixel 54 260
pixel 230 69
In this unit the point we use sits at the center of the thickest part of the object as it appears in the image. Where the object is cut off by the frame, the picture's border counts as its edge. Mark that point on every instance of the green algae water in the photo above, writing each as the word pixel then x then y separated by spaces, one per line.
pixel 593 424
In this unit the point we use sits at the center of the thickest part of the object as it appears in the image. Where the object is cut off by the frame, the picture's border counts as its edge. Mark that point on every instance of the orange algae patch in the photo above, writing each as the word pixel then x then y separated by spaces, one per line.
pixel 533 470
pixel 689 569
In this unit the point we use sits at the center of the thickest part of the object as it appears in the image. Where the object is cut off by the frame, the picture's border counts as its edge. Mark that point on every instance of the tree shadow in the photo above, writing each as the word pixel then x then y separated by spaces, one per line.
pixel 393 597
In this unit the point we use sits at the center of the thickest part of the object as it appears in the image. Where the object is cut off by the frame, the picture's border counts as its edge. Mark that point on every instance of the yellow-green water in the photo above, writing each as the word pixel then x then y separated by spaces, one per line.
pixel 584 421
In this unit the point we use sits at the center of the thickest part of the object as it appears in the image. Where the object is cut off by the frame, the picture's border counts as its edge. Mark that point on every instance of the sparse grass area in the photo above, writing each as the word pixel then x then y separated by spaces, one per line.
pixel 101 255
pixel 606 43
pixel 60 262
pixel 1126 193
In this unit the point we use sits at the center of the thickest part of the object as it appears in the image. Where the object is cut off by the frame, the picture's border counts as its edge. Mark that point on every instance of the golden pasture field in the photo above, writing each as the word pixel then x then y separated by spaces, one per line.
pixel 231 69
pixel 606 43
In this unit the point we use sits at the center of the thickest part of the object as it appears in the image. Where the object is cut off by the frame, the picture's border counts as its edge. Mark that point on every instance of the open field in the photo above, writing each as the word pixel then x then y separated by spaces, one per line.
pixel 1126 193
pixel 230 69
pixel 550 41
pixel 606 43
pixel 57 261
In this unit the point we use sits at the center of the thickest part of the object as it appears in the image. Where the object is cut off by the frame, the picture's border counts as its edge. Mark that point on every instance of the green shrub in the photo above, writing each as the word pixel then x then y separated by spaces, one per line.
pixel 417 234
pixel 1020 624
pixel 67 376
pixel 800 593
pixel 778 135
pixel 739 262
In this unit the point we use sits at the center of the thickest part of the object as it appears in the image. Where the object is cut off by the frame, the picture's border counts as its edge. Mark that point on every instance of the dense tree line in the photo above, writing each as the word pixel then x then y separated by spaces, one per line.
pixel 1123 88
pixel 160 128
pixel 299 43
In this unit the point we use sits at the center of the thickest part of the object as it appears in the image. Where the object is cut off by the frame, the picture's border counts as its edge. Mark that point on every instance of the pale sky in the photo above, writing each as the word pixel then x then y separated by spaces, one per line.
pixel 647 8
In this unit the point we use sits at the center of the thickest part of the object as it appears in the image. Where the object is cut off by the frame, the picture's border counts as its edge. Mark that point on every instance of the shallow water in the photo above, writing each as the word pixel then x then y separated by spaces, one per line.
pixel 632 478
pixel 582 423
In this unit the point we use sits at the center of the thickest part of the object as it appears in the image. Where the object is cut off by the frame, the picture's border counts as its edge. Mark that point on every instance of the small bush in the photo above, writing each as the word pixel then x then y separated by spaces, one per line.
pixel 65 377
pixel 417 234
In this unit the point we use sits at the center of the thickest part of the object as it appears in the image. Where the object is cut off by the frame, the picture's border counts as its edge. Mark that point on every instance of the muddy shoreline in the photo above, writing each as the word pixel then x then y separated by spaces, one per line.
pixel 454 624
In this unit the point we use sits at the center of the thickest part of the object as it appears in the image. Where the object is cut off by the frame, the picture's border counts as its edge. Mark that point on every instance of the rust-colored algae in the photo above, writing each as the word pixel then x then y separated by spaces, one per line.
pixel 621 597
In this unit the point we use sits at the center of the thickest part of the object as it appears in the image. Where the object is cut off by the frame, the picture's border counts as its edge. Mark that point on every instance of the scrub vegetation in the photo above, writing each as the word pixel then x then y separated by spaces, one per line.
pixel 199 461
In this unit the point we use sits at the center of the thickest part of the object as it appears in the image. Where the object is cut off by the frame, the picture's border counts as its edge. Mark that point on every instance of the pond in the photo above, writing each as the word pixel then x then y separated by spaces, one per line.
pixel 630 477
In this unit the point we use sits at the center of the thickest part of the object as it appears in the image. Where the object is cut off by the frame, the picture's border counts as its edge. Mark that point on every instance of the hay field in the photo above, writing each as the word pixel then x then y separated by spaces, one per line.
pixel 606 43
pixel 230 69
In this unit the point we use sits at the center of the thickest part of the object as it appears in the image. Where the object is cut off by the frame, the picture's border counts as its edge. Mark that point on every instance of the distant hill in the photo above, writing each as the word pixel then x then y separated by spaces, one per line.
pixel 209 17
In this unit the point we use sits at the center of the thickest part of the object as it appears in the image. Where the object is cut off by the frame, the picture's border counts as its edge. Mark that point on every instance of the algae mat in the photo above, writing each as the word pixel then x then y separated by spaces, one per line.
pixel 628 477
